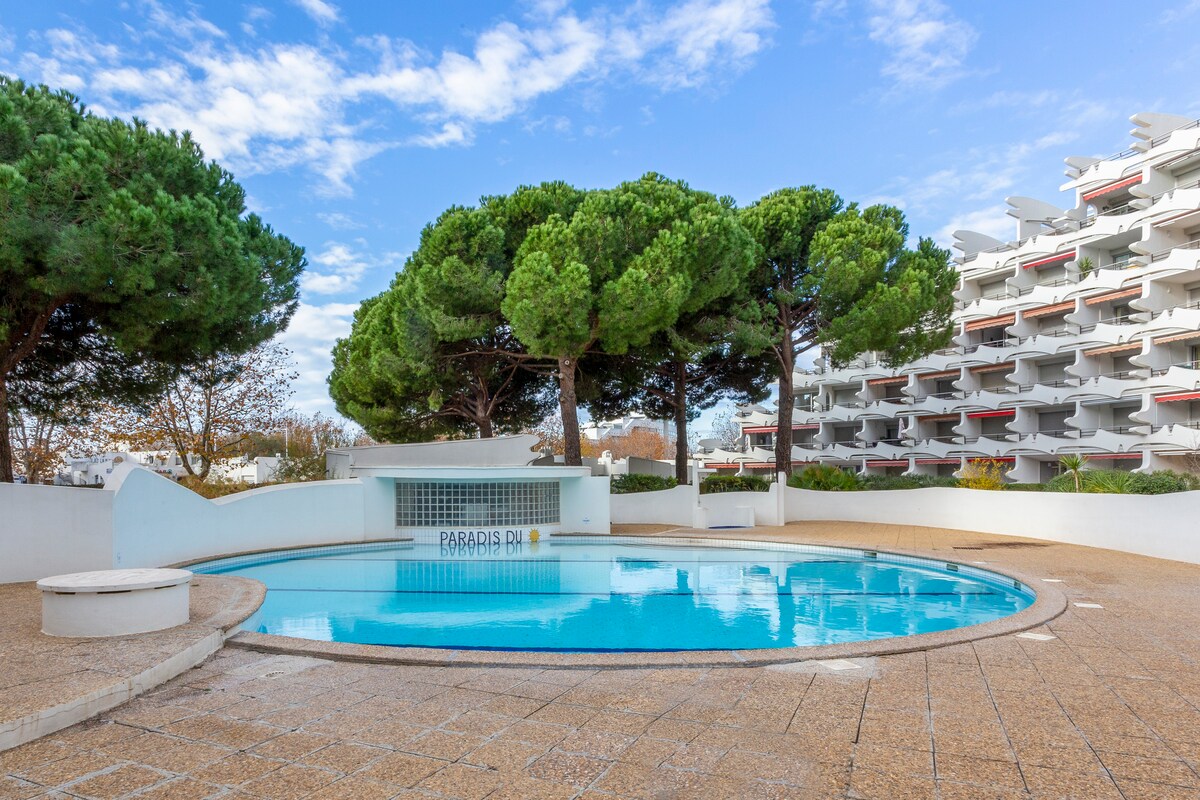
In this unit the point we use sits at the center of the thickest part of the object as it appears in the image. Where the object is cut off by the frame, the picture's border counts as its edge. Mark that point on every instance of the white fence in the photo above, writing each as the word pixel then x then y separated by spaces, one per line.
pixel 1162 526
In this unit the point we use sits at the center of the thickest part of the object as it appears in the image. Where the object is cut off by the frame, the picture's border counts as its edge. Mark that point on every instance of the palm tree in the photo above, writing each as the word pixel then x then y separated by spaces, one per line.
pixel 1073 465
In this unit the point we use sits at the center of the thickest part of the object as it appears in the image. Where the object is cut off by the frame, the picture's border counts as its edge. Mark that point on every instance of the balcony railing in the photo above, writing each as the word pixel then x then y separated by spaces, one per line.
pixel 1051 334
pixel 1182 365
pixel 1053 433
pixel 1161 254
pixel 1055 384
pixel 1119 429
pixel 1091 326
pixel 1008 342
pixel 1193 424
pixel 1024 290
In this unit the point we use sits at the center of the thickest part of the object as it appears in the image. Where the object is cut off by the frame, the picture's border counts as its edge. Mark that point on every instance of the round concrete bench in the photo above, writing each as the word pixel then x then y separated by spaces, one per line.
pixel 114 602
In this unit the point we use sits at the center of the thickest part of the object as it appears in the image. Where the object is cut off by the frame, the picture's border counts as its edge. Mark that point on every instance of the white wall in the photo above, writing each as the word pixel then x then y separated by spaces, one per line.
pixel 50 530
pixel 684 505
pixel 1163 526
pixel 726 509
pixel 156 521
pixel 584 505
pixel 675 506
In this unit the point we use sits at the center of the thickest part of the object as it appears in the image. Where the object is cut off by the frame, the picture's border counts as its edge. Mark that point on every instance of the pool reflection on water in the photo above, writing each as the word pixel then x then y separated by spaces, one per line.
pixel 590 596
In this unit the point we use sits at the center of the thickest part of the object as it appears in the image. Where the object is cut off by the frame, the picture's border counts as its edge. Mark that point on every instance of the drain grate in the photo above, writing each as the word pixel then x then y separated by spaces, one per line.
pixel 1001 545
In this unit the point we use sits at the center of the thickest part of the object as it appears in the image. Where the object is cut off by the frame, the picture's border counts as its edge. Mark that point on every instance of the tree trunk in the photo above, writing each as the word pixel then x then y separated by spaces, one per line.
pixel 783 428
pixel 572 456
pixel 680 403
pixel 485 427
pixel 6 453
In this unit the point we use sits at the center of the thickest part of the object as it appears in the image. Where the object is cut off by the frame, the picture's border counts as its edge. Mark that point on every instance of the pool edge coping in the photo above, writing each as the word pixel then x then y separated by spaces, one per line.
pixel 1049 603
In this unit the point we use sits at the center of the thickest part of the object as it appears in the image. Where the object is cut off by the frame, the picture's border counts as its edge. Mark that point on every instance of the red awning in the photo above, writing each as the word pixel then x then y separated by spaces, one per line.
pixel 939 461
pixel 1111 456
pixel 739 464
pixel 948 373
pixel 992 367
pixel 991 322
pixel 1136 291
pixel 1177 337
pixel 773 428
pixel 900 462
pixel 1057 258
pixel 1004 412
pixel 1044 311
pixel 938 418
pixel 1128 347
pixel 1174 398
pixel 1112 187
pixel 893 381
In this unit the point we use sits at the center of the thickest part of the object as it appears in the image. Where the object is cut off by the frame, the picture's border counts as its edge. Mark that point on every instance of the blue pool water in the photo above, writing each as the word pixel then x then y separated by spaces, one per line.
pixel 599 595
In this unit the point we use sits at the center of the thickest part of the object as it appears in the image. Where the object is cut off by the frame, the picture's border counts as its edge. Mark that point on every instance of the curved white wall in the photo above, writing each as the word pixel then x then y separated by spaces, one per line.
pixel 155 521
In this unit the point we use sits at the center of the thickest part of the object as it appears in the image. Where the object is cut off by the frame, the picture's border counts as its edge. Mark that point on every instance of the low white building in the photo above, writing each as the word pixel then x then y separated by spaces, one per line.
pixel 472 492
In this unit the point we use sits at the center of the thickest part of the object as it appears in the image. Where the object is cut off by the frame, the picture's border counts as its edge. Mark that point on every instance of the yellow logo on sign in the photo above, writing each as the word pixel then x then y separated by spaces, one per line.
pixel 534 535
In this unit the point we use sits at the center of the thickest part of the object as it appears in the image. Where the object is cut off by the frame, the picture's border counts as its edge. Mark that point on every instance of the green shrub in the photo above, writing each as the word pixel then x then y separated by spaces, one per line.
pixel 1115 481
pixel 1107 481
pixel 629 484
pixel 1028 487
pixel 1062 483
pixel 1163 481
pixel 885 482
pixel 714 484
pixel 824 478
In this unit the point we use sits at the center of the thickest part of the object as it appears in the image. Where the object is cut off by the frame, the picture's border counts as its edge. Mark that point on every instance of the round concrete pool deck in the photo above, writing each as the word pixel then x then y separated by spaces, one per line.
pixel 1101 701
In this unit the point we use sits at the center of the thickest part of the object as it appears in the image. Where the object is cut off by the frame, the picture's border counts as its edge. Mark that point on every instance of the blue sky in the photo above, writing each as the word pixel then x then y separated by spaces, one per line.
pixel 353 124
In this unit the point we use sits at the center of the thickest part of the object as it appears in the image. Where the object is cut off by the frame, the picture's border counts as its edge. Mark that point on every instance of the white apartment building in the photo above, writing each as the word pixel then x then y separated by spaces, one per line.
pixel 623 426
pixel 1080 336
pixel 94 470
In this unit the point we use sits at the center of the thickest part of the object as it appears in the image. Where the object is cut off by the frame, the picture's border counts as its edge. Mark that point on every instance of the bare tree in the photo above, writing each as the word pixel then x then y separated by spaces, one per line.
pixel 41 442
pixel 728 431
pixel 209 410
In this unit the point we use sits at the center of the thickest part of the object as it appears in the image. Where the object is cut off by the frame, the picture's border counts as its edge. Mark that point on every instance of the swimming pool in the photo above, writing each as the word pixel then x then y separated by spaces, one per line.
pixel 600 594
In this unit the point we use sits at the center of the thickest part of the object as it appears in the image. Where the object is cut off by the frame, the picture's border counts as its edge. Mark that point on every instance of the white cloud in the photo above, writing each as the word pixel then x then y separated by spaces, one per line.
pixel 992 221
pixel 510 67
pixel 927 44
pixel 977 175
pixel 339 221
pixel 451 133
pixel 310 337
pixel 322 13
pixel 281 105
pixel 340 268
pixel 680 48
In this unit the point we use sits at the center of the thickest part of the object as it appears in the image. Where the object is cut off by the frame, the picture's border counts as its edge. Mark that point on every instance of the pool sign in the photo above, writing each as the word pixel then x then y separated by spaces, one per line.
pixel 484 538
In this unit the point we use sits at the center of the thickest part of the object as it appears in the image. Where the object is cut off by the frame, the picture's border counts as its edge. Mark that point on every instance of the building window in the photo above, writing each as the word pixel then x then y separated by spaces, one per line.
pixel 473 504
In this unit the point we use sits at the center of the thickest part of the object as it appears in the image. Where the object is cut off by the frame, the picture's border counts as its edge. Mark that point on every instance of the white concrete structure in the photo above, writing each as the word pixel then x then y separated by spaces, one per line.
pixel 114 602
pixel 1082 335
pixel 475 490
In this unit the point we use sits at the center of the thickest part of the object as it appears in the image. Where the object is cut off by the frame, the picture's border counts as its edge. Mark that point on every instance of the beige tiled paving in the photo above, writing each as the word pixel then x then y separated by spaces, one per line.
pixel 1107 709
